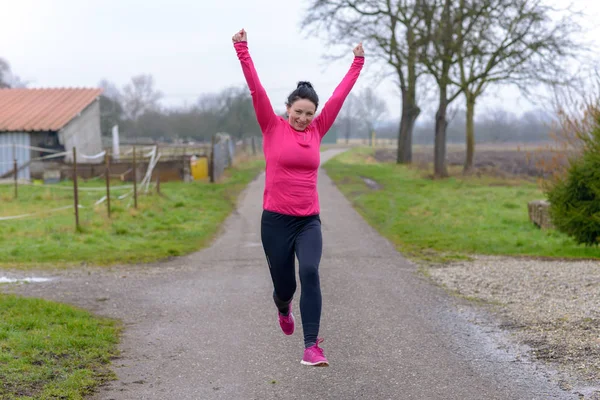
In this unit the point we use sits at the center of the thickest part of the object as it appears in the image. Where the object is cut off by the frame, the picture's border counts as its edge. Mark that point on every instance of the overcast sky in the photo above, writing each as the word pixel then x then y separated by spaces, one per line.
pixel 184 44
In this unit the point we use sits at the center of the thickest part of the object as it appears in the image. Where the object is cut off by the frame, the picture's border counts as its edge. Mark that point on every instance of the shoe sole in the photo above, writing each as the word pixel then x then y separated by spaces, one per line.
pixel 318 364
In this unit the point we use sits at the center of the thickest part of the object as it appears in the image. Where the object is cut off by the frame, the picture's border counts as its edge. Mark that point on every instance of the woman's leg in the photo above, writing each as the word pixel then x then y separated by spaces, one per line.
pixel 309 247
pixel 277 238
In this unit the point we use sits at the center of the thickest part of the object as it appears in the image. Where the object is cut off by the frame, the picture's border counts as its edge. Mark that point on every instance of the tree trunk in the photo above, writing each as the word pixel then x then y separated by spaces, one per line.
pixel 348 131
pixel 410 113
pixel 470 139
pixel 439 151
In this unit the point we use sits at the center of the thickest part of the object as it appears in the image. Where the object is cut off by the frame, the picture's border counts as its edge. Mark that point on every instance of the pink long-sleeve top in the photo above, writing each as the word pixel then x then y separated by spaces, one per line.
pixel 292 157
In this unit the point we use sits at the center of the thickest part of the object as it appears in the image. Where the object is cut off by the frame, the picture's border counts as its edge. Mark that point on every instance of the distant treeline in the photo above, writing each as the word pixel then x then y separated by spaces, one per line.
pixel 137 111
pixel 231 111
pixel 493 126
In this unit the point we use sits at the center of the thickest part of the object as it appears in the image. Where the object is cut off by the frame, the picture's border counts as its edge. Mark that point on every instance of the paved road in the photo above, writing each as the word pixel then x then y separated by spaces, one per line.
pixel 204 326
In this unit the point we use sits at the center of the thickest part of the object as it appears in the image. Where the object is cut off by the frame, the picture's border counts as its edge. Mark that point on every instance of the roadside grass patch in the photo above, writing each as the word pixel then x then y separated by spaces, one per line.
pixel 181 220
pixel 444 220
pixel 52 351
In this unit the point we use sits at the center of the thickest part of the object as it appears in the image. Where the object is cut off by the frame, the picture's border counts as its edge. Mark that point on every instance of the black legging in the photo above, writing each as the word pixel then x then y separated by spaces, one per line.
pixel 283 238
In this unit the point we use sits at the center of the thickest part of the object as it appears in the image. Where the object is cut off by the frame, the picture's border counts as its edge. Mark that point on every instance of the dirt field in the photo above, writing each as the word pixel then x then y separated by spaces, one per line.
pixel 499 160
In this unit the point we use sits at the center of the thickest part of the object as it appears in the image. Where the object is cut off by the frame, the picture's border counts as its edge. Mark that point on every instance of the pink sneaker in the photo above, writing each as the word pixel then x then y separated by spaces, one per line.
pixel 314 356
pixel 287 322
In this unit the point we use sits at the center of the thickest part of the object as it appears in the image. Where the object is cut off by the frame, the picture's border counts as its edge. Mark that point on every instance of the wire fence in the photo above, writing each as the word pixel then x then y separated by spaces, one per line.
pixel 12 167
pixel 55 195
pixel 30 199
pixel 225 151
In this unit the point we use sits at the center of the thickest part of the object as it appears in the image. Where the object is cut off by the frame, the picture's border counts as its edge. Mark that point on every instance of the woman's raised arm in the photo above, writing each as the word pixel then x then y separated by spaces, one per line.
pixel 262 105
pixel 330 111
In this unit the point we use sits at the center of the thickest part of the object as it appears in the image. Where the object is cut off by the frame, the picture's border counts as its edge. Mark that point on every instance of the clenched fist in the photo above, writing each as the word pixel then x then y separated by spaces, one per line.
pixel 359 51
pixel 241 36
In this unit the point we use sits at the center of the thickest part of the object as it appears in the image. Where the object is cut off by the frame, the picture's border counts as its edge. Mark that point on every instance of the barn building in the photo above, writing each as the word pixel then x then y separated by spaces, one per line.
pixel 38 123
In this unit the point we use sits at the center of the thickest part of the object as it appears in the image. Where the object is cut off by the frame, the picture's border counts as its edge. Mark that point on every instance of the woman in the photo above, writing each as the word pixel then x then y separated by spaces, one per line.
pixel 290 223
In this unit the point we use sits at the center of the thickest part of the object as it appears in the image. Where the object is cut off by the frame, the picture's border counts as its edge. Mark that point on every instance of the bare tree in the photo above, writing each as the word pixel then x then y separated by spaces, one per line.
pixel 388 28
pixel 445 26
pixel 111 109
pixel 439 27
pixel 140 96
pixel 193 124
pixel 372 109
pixel 7 78
pixel 348 119
pixel 208 102
pixel 237 114
pixel 230 111
pixel 518 42
pixel 4 73
pixel 110 90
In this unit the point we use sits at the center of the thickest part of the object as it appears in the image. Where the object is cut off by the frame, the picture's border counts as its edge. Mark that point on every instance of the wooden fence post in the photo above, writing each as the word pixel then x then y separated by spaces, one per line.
pixel 211 164
pixel 157 169
pixel 107 174
pixel 135 202
pixel 75 190
pixel 15 170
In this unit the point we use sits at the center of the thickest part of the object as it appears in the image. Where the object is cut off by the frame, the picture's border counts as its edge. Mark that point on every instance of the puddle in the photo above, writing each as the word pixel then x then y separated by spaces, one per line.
pixel 371 183
pixel 4 279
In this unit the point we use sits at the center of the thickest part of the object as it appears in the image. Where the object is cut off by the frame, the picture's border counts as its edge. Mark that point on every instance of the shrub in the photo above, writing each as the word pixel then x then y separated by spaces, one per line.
pixel 574 196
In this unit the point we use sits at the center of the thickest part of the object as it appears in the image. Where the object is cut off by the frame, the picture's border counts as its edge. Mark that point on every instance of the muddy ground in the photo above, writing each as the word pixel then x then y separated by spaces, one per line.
pixel 501 161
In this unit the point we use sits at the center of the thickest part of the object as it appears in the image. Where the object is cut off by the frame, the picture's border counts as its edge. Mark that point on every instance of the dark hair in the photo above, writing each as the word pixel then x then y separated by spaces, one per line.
pixel 305 91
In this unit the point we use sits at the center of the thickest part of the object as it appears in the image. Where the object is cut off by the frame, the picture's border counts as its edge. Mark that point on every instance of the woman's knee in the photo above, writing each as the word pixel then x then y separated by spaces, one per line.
pixel 284 295
pixel 309 273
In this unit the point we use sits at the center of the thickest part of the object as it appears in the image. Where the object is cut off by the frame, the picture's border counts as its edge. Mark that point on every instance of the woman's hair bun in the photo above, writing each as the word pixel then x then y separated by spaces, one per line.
pixel 304 83
pixel 305 91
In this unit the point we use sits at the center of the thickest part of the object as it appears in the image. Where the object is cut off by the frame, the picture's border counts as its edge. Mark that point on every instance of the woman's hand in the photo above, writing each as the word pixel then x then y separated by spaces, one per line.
pixel 241 36
pixel 359 51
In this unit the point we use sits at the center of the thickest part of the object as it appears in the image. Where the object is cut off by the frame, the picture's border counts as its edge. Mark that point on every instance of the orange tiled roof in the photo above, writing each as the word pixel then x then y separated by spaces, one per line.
pixel 42 109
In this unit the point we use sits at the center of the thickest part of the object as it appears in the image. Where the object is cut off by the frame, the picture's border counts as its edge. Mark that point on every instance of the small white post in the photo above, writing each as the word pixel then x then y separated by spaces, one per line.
pixel 115 137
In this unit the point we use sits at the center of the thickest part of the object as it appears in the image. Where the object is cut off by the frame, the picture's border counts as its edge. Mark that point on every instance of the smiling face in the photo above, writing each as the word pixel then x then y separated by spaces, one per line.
pixel 301 113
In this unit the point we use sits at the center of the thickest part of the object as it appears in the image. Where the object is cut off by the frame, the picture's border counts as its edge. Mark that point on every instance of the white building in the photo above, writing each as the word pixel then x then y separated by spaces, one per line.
pixel 56 119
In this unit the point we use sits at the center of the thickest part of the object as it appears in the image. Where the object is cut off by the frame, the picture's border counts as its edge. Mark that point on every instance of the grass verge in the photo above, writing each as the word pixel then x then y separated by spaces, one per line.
pixel 443 220
pixel 52 351
pixel 183 219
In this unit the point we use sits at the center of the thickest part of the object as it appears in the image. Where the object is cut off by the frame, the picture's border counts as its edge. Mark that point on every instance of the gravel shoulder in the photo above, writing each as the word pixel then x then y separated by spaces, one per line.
pixel 551 307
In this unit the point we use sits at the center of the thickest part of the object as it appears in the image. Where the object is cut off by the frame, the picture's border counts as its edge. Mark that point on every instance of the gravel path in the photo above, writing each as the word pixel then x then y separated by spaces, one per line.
pixel 551 306
pixel 204 326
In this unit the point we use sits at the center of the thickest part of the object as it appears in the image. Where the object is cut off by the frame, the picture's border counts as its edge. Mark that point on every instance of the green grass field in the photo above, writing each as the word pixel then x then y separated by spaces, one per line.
pixel 52 351
pixel 448 219
pixel 183 220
